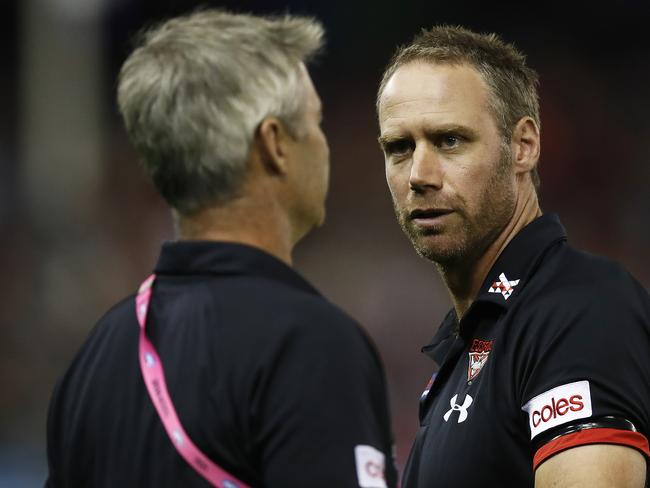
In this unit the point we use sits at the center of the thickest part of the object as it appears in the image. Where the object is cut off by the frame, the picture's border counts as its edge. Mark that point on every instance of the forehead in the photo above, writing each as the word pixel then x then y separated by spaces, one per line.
pixel 434 93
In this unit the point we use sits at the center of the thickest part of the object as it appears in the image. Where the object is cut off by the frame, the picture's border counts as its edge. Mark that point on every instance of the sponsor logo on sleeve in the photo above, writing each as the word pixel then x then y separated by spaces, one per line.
pixel 557 406
pixel 370 467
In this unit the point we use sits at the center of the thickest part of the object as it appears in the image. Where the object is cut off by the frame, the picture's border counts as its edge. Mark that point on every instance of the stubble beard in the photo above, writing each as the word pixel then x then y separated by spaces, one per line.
pixel 474 234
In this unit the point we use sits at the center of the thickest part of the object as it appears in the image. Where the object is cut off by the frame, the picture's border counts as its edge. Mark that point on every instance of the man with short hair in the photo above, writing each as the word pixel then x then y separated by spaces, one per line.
pixel 544 360
pixel 234 371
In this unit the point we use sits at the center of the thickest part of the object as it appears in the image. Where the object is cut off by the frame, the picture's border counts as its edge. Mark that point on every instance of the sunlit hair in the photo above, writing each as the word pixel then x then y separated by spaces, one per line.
pixel 194 91
pixel 513 85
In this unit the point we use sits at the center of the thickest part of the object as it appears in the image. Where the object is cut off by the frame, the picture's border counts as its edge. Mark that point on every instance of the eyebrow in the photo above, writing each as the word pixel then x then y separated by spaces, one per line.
pixel 447 128
pixel 383 140
pixel 431 133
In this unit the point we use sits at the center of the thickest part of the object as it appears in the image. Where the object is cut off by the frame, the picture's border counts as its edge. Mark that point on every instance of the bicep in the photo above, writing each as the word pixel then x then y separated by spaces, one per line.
pixel 593 466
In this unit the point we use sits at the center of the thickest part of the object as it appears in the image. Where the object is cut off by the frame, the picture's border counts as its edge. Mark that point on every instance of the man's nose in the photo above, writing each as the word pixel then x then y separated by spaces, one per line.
pixel 426 169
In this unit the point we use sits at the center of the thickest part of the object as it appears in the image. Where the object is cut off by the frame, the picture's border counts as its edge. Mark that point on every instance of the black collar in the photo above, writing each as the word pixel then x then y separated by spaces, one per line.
pixel 508 277
pixel 223 258
pixel 519 260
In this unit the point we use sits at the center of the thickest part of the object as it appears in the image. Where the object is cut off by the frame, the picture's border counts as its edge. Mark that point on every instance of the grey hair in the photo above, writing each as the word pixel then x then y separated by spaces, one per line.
pixel 513 85
pixel 194 91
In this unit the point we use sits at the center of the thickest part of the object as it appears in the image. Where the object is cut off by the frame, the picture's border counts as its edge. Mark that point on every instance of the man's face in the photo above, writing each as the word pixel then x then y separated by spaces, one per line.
pixel 311 163
pixel 449 174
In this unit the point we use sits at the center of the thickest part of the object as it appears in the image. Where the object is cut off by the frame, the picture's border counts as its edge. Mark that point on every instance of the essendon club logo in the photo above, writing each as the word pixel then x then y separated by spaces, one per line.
pixel 559 405
pixel 478 355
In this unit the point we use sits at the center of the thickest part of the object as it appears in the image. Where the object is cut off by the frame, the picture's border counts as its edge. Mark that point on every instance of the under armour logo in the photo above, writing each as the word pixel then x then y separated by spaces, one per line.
pixel 505 287
pixel 462 409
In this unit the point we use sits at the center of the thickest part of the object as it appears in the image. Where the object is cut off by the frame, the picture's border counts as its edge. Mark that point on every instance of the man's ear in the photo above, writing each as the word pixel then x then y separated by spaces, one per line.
pixel 272 140
pixel 525 145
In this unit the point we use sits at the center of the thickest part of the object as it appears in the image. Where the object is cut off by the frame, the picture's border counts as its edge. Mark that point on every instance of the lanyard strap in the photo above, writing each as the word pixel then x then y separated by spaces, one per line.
pixel 154 378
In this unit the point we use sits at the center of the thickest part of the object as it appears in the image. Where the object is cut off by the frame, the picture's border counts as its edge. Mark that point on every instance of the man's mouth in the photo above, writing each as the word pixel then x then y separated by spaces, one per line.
pixel 429 215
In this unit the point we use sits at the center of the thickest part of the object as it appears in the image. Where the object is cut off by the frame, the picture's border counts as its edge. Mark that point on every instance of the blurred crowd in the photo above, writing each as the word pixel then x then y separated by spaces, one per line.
pixel 80 226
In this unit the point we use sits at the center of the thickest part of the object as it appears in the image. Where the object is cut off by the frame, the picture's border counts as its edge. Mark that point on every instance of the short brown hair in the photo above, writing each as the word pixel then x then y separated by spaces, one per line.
pixel 513 85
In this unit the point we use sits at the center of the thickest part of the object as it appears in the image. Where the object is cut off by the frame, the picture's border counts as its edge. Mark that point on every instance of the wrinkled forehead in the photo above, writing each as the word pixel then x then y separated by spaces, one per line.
pixel 437 82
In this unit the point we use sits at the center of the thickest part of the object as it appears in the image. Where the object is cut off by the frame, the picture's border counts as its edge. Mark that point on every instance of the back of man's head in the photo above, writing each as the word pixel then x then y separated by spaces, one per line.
pixel 195 89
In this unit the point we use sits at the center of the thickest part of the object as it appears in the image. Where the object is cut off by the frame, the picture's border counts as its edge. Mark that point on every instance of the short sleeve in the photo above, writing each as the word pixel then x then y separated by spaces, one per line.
pixel 585 372
pixel 322 411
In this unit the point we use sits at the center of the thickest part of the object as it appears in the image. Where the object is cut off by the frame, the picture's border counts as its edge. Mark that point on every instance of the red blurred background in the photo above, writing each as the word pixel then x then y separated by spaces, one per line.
pixel 80 226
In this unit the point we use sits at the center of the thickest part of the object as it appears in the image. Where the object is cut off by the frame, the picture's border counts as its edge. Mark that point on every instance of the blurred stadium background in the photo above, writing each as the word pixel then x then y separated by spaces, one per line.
pixel 80 226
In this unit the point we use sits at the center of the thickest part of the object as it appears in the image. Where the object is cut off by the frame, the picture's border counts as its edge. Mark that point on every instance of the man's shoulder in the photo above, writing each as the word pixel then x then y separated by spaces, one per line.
pixel 118 320
pixel 311 313
pixel 576 287
pixel 119 312
pixel 286 302
pixel 307 317
pixel 574 277
pixel 258 308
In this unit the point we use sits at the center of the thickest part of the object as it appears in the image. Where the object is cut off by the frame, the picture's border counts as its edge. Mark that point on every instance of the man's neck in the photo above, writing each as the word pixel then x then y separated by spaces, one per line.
pixel 464 281
pixel 241 221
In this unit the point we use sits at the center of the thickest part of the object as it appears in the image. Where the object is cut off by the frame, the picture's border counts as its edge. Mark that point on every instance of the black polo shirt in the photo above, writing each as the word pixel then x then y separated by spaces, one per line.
pixel 553 353
pixel 270 380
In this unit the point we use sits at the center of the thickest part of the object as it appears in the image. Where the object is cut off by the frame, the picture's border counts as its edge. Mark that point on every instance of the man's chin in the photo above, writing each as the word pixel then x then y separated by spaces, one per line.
pixel 435 249
pixel 316 220
pixel 435 255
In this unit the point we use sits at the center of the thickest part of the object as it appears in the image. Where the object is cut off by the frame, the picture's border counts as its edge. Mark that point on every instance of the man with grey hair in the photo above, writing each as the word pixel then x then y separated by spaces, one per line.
pixel 543 374
pixel 245 375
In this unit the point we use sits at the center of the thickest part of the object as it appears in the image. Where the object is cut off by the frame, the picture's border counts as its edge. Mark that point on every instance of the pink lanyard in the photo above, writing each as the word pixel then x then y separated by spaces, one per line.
pixel 154 378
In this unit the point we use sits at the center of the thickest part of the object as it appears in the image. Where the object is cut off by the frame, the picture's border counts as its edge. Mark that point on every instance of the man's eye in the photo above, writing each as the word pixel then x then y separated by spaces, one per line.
pixel 399 148
pixel 449 141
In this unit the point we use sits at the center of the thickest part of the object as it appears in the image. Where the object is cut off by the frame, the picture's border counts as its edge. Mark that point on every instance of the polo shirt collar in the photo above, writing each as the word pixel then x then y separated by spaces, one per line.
pixel 508 277
pixel 225 258
pixel 519 260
